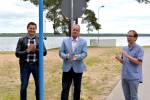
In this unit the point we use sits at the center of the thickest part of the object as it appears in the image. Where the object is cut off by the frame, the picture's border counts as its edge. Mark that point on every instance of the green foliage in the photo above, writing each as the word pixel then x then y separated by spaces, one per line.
pixel 35 2
pixel 145 1
pixel 91 20
pixel 60 22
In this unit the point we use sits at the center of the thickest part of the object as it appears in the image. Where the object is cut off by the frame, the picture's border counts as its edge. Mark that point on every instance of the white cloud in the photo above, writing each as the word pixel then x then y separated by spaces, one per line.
pixel 15 16
pixel 121 15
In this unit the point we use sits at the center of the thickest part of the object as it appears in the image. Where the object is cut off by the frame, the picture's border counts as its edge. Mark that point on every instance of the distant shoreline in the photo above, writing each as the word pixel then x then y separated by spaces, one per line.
pixel 55 41
pixel 86 35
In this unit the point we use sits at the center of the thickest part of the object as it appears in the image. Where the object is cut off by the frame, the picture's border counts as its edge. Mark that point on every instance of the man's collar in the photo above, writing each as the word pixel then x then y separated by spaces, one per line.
pixel 131 46
pixel 74 39
pixel 29 37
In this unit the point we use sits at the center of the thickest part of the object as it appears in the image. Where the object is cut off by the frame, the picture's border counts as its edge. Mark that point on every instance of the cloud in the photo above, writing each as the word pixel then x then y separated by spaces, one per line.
pixel 116 16
pixel 16 15
pixel 120 15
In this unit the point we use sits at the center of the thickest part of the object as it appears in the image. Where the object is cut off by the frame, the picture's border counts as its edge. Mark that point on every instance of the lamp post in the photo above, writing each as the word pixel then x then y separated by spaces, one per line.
pixel 44 22
pixel 98 21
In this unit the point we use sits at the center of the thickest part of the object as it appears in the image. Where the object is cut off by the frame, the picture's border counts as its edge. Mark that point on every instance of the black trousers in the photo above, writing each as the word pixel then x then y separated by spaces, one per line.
pixel 67 79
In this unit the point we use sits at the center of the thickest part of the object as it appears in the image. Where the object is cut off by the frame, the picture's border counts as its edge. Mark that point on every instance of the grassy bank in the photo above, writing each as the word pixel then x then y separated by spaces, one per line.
pixel 101 76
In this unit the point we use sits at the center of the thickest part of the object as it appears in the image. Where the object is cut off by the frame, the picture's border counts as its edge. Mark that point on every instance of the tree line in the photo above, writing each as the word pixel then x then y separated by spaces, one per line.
pixel 61 24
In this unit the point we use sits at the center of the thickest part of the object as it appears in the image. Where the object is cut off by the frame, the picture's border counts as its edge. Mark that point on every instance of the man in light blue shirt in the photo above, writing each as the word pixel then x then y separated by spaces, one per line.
pixel 131 59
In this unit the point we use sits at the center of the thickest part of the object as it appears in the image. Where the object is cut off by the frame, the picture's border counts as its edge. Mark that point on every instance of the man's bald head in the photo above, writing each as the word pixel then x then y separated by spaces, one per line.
pixel 75 26
pixel 75 30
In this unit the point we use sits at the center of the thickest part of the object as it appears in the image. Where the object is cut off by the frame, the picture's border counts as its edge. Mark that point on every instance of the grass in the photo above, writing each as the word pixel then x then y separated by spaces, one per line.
pixel 103 72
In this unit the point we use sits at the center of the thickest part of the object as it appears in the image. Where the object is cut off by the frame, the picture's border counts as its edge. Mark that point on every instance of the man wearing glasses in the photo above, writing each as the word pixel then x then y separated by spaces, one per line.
pixel 131 59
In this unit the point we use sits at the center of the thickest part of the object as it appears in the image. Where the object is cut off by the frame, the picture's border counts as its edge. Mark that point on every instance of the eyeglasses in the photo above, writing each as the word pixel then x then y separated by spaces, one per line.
pixel 130 36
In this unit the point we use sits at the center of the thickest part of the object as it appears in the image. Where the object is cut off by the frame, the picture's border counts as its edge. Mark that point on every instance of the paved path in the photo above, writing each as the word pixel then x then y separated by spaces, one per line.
pixel 144 88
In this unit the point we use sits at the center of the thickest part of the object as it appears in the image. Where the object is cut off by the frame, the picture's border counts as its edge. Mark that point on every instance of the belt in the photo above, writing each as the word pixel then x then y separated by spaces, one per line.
pixel 31 62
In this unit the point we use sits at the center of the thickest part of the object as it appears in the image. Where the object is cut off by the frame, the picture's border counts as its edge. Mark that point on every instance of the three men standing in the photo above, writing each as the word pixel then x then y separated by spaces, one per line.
pixel 73 51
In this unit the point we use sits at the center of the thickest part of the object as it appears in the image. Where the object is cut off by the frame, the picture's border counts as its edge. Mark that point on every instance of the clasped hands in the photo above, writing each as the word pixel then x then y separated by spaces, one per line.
pixel 75 57
pixel 124 53
pixel 31 48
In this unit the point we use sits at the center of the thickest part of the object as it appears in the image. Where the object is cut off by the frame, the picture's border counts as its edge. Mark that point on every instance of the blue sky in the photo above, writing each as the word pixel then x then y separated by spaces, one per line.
pixel 117 16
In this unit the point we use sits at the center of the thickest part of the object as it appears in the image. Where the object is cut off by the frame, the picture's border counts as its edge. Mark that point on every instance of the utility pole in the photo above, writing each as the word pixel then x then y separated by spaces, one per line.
pixel 98 21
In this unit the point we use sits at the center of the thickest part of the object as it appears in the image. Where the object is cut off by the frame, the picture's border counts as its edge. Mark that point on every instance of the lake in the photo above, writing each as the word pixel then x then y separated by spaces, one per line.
pixel 9 43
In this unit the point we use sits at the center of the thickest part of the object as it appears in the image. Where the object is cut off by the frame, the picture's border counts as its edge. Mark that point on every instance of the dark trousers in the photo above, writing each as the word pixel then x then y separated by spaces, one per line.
pixel 25 72
pixel 67 79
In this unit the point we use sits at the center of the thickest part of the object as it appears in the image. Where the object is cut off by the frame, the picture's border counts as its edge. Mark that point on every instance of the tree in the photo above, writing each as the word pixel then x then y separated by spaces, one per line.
pixel 52 14
pixel 145 1
pixel 60 22
pixel 91 20
pixel 52 6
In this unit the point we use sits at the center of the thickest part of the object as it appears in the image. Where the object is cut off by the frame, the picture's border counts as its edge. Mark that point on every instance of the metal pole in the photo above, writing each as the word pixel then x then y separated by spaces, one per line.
pixel 72 87
pixel 44 22
pixel 98 29
pixel 99 22
pixel 71 13
pixel 41 79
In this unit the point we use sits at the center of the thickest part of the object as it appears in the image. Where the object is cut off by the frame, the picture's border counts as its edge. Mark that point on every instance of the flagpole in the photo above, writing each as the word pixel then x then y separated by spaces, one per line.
pixel 41 79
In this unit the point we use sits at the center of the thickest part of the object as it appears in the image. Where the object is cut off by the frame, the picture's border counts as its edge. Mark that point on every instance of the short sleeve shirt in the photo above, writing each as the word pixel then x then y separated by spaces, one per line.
pixel 130 70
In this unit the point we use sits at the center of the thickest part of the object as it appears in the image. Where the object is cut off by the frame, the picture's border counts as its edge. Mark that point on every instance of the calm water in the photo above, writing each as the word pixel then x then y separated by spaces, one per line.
pixel 9 43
